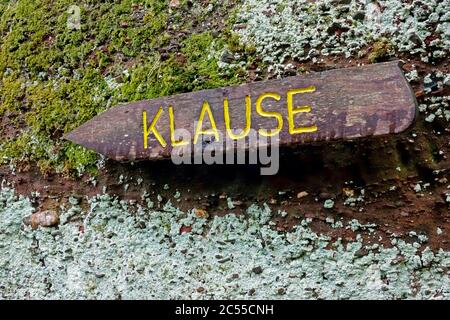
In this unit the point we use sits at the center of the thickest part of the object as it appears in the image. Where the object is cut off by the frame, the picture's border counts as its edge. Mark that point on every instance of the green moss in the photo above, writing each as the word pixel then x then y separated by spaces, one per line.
pixel 194 68
pixel 382 49
pixel 201 66
pixel 279 8
pixel 53 79
pixel 11 95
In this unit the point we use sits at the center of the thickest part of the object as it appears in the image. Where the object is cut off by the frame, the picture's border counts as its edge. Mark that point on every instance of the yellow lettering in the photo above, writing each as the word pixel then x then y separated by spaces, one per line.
pixel 199 130
pixel 263 113
pixel 292 111
pixel 172 130
pixel 152 129
pixel 248 112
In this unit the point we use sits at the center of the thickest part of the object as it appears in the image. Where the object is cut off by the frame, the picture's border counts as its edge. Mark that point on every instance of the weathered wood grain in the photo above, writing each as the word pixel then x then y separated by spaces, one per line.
pixel 346 104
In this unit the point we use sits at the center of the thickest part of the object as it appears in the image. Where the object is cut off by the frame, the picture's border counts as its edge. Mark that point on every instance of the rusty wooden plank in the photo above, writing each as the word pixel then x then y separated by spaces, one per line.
pixel 338 104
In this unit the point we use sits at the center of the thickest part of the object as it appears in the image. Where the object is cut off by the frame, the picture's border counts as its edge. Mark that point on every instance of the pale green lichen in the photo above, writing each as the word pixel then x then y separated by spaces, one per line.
pixel 124 253
pixel 282 30
pixel 328 204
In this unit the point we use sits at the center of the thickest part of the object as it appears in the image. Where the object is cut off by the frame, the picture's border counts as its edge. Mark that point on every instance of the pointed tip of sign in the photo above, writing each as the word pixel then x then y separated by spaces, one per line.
pixel 72 136
pixel 66 136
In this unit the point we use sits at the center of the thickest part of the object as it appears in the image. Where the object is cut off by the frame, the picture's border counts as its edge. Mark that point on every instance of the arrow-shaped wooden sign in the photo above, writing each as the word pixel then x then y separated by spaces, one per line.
pixel 338 104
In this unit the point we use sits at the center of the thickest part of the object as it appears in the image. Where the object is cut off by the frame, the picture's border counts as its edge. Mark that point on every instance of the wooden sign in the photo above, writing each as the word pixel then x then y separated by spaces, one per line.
pixel 339 104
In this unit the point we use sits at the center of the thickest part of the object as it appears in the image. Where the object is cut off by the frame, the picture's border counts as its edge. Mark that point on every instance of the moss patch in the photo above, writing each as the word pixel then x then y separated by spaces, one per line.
pixel 381 51
pixel 54 78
